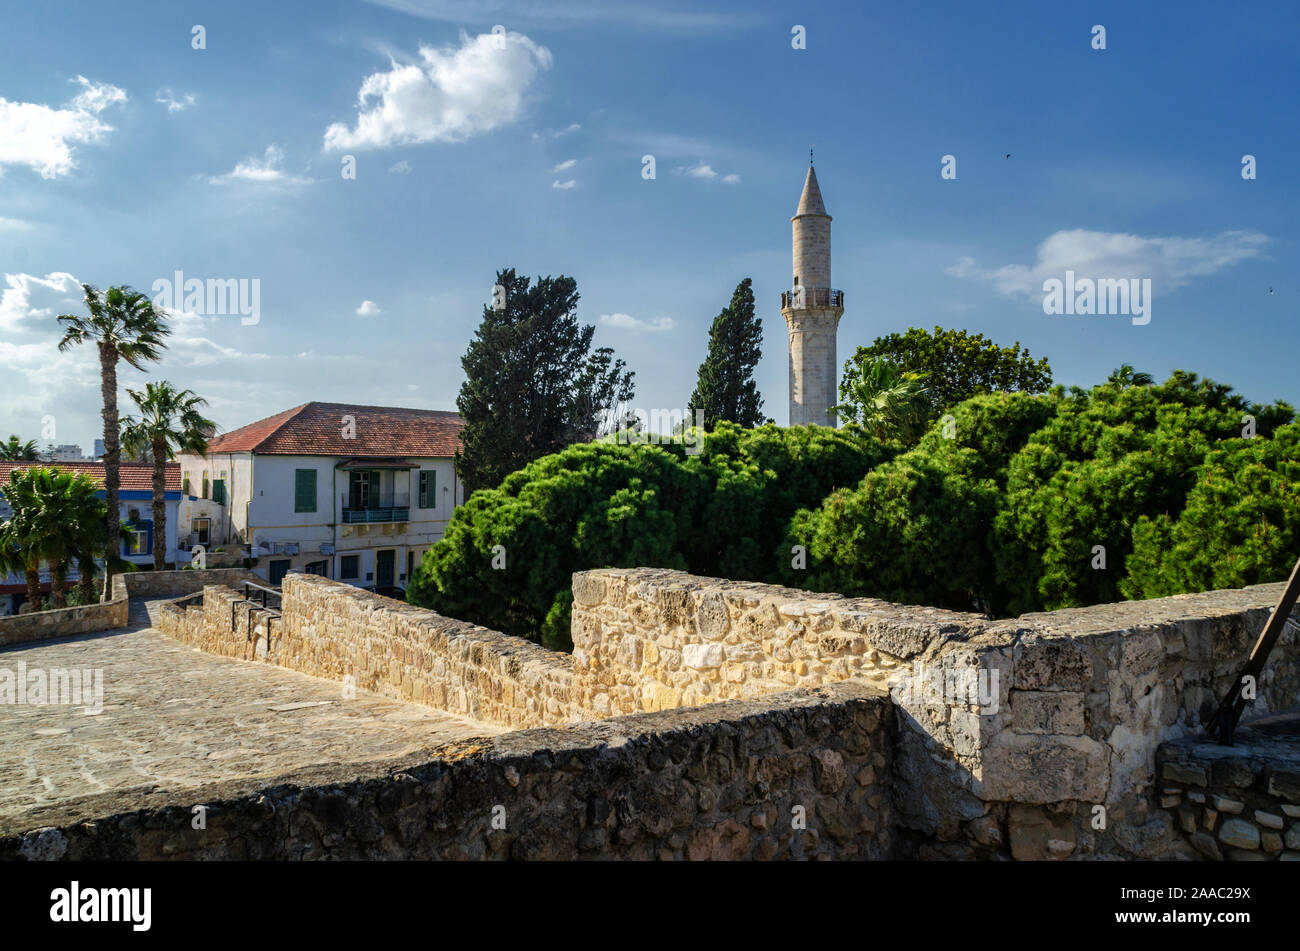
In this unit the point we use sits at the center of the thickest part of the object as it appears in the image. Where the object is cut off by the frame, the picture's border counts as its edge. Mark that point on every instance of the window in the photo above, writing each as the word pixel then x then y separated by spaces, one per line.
pixel 317 568
pixel 304 490
pixel 185 485
pixel 205 485
pixel 363 490
pixel 428 482
pixel 219 491
pixel 137 535
pixel 200 528
pixel 350 566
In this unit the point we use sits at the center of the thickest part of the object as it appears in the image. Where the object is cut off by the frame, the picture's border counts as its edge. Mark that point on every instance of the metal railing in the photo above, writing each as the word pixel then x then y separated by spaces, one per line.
pixel 392 514
pixel 802 298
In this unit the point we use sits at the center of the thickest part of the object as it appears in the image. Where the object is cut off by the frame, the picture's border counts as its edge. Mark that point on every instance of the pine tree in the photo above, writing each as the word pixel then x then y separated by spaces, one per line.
pixel 726 388
pixel 532 383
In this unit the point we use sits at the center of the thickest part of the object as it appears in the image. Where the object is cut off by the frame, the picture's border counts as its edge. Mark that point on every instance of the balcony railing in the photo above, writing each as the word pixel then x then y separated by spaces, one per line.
pixel 393 514
pixel 802 298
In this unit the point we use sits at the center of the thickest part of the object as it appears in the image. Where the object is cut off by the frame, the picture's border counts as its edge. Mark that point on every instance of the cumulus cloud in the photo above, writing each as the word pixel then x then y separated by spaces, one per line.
pixel 636 324
pixel 368 308
pixel 564 166
pixel 703 171
pixel 19 310
pixel 1170 262
pixel 266 172
pixel 401 168
pixel 450 95
pixel 43 138
pixel 166 98
pixel 564 186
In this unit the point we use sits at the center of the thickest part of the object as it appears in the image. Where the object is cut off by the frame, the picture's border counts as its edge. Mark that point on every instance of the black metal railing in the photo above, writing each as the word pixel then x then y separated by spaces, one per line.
pixel 802 298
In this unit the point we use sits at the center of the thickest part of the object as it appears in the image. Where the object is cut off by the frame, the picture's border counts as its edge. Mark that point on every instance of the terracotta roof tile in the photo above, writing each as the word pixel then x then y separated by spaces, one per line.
pixel 132 475
pixel 317 429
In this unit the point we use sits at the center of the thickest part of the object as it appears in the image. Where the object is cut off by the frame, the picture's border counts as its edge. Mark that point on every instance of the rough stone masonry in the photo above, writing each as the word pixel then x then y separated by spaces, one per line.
pixel 701 717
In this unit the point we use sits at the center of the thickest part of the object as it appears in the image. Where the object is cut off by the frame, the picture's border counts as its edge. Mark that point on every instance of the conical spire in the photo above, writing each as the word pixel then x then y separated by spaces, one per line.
pixel 810 202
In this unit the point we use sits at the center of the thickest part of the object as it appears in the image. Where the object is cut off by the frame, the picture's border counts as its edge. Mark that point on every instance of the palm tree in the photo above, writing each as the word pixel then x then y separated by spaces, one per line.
pixel 20 534
pixel 54 516
pixel 169 420
pixel 123 326
pixel 14 450
pixel 886 400
pixel 1125 376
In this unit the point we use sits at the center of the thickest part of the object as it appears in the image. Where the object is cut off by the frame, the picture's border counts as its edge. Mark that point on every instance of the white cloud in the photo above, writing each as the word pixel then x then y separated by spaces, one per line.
pixel 699 170
pixel 166 98
pixel 14 224
pixel 1170 262
pixel 17 309
pixel 402 168
pixel 636 324
pixel 43 138
pixel 564 186
pixel 266 172
pixel 547 135
pixel 368 308
pixel 704 172
pixel 450 95
pixel 564 166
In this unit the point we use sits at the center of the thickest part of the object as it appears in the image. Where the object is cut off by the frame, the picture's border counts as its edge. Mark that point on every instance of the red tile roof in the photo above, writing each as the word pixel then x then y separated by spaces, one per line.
pixel 132 475
pixel 317 429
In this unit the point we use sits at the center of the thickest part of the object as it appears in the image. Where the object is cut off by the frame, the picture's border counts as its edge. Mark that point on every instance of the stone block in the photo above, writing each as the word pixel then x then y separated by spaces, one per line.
pixel 1055 664
pixel 1042 769
pixel 1239 834
pixel 1037 834
pixel 1181 773
pixel 702 656
pixel 1047 711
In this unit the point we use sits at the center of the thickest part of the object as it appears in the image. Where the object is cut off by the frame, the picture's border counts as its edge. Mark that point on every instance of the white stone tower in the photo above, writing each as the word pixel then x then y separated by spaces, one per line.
pixel 812 311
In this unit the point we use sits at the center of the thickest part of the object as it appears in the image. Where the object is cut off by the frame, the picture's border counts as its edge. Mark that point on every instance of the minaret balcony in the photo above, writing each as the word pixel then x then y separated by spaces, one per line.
pixel 805 298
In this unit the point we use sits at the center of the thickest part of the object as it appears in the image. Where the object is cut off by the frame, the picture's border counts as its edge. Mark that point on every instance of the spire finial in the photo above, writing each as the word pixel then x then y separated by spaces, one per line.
pixel 810 151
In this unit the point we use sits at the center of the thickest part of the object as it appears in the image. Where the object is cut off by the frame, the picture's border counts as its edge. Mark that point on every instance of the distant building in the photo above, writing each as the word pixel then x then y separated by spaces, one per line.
pixel 354 493
pixel 67 453
pixel 99 449
pixel 135 509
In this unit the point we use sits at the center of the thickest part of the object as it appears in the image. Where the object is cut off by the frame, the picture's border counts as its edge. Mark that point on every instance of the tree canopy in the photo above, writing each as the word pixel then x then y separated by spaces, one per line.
pixel 725 388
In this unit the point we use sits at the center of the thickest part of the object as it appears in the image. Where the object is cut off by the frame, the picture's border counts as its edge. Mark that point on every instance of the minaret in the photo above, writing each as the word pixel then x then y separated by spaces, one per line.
pixel 812 311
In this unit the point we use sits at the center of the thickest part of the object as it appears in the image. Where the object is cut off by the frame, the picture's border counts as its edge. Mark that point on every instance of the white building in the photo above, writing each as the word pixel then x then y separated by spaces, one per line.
pixel 68 453
pixel 354 493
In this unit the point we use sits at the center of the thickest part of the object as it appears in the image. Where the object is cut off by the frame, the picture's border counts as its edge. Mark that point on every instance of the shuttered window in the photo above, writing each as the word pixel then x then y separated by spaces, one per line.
pixel 304 490
pixel 428 481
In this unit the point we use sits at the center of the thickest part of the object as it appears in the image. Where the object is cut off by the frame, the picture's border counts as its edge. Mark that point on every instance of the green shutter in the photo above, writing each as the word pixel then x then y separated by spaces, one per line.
pixel 428 480
pixel 374 489
pixel 304 490
pixel 219 491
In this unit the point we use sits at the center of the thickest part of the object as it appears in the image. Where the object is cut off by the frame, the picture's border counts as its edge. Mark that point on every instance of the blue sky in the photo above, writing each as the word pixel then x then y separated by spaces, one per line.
pixel 126 155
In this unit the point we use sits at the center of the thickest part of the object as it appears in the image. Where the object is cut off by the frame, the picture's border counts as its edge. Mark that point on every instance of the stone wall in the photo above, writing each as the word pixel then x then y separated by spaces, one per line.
pixel 106 615
pixel 333 630
pixel 1032 738
pixel 1239 802
pixel 798 775
pixel 62 622
pixel 654 639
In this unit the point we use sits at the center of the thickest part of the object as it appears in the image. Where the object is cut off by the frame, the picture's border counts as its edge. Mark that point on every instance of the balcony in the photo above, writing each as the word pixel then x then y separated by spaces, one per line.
pixel 392 514
pixel 804 298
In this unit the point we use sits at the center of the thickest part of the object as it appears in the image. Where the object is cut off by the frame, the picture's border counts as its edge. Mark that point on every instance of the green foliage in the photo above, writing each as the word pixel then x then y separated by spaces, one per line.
pixel 1240 525
pixel 956 365
pixel 885 400
pixel 56 518
pixel 532 384
pixel 726 389
pixel 1111 456
pixel 15 450
pixel 722 511
pixel 919 528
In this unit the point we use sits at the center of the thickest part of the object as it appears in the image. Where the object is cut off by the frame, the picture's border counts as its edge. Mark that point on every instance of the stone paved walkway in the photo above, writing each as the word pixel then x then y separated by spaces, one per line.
pixel 174 718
